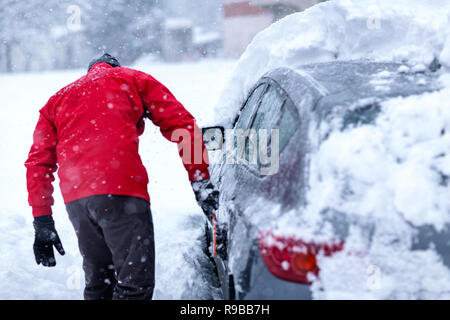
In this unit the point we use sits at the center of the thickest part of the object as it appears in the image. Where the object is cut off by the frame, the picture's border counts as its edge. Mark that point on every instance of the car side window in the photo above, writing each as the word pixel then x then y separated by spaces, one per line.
pixel 269 110
pixel 266 118
pixel 247 110
pixel 288 124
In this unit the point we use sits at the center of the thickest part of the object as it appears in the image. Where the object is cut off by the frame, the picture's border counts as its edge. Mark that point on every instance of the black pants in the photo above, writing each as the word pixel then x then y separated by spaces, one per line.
pixel 115 237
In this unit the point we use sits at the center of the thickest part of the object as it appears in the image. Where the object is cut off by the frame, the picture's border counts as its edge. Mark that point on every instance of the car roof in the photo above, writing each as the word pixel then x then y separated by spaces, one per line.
pixel 349 83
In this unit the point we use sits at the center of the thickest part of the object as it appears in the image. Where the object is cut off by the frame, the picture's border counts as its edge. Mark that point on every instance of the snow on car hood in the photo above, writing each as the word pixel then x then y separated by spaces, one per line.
pixel 411 31
pixel 390 177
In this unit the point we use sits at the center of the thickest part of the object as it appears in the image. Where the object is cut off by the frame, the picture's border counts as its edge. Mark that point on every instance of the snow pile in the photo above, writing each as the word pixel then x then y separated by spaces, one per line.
pixel 412 31
pixel 403 159
pixel 387 180
pixel 395 173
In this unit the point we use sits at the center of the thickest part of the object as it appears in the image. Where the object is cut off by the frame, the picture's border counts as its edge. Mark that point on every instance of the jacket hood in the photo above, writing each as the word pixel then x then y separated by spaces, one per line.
pixel 106 58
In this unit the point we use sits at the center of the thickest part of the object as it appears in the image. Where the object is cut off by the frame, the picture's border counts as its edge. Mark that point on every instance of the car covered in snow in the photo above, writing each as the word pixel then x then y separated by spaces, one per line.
pixel 347 105
pixel 305 104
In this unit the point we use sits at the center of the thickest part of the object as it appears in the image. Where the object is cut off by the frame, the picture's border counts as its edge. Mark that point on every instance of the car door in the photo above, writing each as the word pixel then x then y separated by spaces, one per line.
pixel 250 183
pixel 222 175
pixel 267 107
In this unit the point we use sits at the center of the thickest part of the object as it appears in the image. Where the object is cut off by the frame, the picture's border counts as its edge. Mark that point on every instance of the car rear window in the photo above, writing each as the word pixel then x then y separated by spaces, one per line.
pixel 361 115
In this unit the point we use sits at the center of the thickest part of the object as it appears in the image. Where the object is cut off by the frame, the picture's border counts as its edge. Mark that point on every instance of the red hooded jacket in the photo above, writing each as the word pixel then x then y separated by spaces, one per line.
pixel 90 128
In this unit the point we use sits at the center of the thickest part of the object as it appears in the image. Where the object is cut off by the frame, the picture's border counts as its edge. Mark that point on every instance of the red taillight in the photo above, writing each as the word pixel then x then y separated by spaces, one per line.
pixel 293 259
pixel 304 263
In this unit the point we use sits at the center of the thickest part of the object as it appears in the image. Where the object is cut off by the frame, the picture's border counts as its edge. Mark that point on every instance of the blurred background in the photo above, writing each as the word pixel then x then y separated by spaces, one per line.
pixel 39 35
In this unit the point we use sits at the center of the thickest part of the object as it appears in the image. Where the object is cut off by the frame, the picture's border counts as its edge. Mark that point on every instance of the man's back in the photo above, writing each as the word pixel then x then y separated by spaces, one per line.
pixel 92 126
pixel 96 121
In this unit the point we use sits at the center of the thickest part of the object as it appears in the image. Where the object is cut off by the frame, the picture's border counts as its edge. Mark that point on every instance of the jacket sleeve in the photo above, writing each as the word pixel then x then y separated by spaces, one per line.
pixel 41 165
pixel 176 125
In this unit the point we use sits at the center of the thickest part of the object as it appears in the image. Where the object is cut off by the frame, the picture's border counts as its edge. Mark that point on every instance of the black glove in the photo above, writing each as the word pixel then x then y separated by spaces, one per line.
pixel 45 237
pixel 207 197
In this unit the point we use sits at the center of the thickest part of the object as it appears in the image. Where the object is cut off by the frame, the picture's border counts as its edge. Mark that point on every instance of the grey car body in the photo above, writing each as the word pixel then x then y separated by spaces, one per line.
pixel 313 94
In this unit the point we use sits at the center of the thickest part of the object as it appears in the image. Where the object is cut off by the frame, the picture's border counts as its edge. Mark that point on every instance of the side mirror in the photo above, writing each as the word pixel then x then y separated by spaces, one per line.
pixel 213 138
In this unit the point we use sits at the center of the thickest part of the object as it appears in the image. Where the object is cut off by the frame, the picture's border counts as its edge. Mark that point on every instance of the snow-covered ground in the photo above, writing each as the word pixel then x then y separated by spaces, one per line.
pixel 178 220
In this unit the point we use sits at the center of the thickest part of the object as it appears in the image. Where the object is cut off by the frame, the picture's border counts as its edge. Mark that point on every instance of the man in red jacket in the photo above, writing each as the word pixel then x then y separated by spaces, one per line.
pixel 90 129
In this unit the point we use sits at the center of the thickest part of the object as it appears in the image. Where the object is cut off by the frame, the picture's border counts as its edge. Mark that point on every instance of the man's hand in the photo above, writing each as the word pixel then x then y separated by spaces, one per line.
pixel 45 238
pixel 207 197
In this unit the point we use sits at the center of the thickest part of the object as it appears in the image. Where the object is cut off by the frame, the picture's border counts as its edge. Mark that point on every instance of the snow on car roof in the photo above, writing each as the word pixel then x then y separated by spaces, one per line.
pixel 344 82
pixel 409 31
